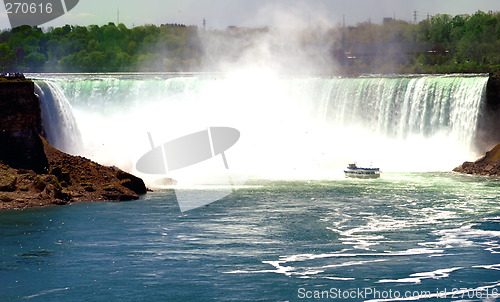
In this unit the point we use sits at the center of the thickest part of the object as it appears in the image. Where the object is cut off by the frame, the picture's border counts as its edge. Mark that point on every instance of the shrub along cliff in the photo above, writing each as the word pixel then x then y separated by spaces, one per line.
pixel 34 174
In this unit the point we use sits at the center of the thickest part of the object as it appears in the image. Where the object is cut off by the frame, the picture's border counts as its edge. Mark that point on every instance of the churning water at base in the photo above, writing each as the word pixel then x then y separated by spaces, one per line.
pixel 406 236
pixel 291 127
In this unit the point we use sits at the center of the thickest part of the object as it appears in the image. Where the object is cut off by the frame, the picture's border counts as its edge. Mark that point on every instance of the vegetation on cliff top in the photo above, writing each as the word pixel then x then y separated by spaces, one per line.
pixel 440 44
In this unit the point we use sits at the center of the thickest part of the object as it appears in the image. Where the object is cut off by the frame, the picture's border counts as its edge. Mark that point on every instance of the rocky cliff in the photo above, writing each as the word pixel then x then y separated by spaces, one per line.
pixel 489 124
pixel 20 124
pixel 487 165
pixel 34 174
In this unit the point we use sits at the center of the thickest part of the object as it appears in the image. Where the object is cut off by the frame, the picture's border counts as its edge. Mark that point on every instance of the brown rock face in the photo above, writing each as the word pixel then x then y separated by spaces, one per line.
pixel 487 165
pixel 85 180
pixel 70 179
pixel 20 125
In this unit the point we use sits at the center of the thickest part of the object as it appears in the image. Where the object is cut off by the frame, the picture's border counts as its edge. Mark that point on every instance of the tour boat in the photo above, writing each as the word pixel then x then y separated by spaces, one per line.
pixel 354 171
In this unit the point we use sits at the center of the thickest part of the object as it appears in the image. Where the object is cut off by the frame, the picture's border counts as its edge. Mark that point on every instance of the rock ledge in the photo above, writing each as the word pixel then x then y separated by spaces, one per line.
pixel 487 165
pixel 69 179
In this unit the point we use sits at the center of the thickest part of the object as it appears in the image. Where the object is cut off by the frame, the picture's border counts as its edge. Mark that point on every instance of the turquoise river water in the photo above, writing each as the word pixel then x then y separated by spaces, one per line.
pixel 406 236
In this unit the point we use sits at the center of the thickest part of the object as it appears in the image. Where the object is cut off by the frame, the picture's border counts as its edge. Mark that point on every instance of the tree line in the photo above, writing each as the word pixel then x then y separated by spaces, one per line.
pixel 100 48
pixel 439 44
pixel 461 43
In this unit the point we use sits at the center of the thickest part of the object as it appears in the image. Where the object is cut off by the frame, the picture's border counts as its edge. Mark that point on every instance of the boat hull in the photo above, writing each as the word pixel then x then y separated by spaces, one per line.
pixel 365 176
pixel 362 173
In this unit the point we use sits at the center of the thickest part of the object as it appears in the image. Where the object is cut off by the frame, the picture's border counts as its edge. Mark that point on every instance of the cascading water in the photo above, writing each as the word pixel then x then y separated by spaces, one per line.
pixel 401 107
pixel 57 118
pixel 290 127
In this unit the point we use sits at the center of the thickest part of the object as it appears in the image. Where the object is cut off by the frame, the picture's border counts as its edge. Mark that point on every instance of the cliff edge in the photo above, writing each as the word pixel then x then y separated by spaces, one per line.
pixel 20 125
pixel 487 165
pixel 35 174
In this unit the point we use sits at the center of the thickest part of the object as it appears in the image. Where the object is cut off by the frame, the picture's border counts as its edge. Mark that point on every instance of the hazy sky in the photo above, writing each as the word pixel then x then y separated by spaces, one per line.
pixel 222 13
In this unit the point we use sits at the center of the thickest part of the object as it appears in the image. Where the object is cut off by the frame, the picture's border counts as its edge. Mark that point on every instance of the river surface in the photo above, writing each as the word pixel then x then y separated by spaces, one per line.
pixel 405 236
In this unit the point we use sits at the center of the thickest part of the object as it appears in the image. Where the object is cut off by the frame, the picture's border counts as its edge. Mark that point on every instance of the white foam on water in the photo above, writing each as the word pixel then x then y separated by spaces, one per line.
pixel 418 277
pixel 491 266
pixel 339 278
pixel 288 270
pixel 465 236
pixel 45 292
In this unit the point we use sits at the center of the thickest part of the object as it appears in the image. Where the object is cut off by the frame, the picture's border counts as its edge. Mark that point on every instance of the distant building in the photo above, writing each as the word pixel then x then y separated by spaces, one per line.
pixel 387 20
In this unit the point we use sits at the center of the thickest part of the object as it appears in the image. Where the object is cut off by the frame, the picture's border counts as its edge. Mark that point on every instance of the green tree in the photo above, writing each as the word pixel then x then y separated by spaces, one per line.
pixel 34 61
pixel 7 57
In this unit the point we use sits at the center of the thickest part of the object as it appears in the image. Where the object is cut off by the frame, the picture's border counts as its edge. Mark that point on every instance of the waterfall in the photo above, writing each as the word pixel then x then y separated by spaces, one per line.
pixel 290 126
pixel 403 107
pixel 58 122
